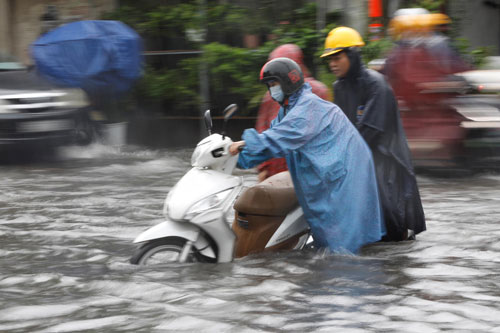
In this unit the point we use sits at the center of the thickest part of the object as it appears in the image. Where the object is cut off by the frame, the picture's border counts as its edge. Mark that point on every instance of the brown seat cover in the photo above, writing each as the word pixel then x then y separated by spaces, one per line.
pixel 275 196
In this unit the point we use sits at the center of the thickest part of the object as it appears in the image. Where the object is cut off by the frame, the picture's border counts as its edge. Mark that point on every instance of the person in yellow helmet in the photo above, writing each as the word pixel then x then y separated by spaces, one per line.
pixel 421 68
pixel 369 103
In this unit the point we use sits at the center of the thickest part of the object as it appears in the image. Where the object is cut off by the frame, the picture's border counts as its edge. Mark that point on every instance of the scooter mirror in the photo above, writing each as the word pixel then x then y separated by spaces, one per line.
pixel 208 121
pixel 229 111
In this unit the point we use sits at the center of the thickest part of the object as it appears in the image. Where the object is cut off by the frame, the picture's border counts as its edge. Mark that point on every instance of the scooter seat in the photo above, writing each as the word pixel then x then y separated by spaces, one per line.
pixel 275 196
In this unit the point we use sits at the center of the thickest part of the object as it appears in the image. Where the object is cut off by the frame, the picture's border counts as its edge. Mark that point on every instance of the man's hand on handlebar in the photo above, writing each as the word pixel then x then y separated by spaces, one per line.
pixel 236 147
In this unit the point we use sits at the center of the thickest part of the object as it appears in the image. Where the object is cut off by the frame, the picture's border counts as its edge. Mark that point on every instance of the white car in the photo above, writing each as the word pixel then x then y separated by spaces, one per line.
pixel 35 114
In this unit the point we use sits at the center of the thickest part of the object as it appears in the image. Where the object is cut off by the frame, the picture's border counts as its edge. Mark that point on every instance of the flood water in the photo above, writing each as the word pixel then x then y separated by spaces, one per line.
pixel 66 231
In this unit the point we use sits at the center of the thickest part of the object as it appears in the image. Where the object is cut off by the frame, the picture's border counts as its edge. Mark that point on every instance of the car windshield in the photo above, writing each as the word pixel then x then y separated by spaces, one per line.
pixel 10 63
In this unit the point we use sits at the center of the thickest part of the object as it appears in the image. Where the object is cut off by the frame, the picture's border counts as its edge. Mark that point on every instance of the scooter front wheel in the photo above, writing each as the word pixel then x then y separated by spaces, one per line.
pixel 163 251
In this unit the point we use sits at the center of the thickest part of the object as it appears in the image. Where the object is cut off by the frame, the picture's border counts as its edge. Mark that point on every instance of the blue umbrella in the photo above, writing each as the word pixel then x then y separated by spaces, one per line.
pixel 98 56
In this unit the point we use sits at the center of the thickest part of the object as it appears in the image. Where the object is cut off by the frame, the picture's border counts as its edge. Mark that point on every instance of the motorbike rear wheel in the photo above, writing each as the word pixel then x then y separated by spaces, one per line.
pixel 163 251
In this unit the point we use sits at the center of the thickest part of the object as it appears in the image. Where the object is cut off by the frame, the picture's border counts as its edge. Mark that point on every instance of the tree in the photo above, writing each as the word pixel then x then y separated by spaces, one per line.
pixel 173 81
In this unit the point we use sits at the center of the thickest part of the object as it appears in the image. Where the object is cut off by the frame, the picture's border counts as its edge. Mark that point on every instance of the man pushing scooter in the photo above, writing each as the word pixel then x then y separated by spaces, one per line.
pixel 330 164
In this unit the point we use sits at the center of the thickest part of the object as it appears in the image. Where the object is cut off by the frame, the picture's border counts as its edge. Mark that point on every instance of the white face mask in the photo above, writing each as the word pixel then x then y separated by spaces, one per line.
pixel 276 93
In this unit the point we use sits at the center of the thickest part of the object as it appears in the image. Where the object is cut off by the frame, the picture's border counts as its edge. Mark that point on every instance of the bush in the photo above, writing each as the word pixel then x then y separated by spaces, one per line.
pixel 233 71
pixel 376 49
pixel 174 84
pixel 476 57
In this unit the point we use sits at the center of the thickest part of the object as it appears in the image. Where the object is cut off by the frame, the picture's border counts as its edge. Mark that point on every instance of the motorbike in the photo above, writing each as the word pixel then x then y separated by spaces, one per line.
pixel 455 128
pixel 214 215
pixel 451 121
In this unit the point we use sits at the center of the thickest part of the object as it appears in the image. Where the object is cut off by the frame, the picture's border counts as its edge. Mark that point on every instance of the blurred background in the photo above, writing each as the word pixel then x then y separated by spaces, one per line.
pixel 203 54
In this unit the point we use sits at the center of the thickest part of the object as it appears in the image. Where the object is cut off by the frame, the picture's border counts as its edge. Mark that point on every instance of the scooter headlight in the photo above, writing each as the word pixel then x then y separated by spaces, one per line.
pixel 207 203
pixel 165 204
pixel 195 156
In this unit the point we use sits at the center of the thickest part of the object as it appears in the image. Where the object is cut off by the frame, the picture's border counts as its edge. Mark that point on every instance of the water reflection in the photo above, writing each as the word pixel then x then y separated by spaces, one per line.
pixel 67 228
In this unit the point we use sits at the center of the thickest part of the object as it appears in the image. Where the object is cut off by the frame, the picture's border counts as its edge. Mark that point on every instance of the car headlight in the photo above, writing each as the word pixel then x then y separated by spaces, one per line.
pixel 72 98
pixel 207 203
pixel 3 108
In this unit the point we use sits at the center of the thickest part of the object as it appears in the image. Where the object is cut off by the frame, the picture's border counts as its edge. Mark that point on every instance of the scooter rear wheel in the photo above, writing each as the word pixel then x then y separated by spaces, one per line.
pixel 163 251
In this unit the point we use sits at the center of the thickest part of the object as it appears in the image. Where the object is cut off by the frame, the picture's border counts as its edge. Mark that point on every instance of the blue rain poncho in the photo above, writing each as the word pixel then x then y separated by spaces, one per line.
pixel 331 168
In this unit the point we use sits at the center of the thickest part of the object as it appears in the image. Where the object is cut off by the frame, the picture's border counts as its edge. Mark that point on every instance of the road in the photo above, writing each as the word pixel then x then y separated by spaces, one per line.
pixel 66 229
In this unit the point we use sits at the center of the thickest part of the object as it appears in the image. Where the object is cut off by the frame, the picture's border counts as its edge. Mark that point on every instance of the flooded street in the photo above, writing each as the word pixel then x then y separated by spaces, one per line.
pixel 66 232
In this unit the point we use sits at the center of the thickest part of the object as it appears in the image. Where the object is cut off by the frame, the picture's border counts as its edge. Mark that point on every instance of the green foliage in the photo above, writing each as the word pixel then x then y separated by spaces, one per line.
pixel 233 71
pixel 430 5
pixel 475 57
pixel 127 14
pixel 325 76
pixel 225 18
pixel 302 32
pixel 163 85
pixel 170 20
pixel 233 77
pixel 376 49
pixel 479 55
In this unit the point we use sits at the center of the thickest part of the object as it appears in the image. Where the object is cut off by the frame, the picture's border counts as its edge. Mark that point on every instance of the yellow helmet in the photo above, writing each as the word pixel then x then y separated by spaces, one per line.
pixel 341 38
pixel 416 24
pixel 400 25
pixel 439 19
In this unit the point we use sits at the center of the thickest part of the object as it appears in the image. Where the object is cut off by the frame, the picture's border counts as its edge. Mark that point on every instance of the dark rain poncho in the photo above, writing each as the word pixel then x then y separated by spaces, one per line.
pixel 331 168
pixel 369 103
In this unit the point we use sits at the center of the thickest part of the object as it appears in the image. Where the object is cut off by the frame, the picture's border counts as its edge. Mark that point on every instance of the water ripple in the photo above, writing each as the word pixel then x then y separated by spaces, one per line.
pixel 66 231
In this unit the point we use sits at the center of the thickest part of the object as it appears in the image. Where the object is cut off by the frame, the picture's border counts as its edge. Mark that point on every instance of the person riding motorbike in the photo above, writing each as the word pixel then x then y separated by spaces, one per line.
pixel 423 59
pixel 269 108
pixel 330 164
pixel 421 69
pixel 369 103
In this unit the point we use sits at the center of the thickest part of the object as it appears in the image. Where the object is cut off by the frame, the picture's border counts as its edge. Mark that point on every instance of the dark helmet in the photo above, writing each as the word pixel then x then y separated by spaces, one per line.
pixel 286 72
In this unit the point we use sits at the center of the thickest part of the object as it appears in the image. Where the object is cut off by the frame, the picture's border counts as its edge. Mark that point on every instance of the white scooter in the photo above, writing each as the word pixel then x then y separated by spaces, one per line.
pixel 201 223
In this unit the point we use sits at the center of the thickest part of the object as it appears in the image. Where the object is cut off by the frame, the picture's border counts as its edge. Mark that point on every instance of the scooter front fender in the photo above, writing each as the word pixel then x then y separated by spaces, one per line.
pixel 213 224
pixel 178 229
